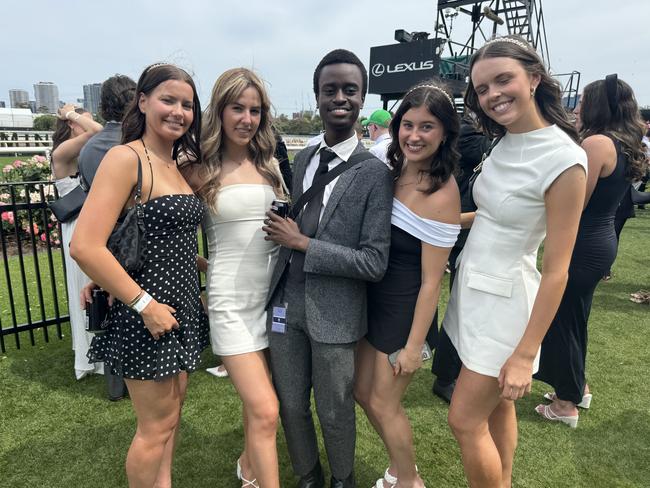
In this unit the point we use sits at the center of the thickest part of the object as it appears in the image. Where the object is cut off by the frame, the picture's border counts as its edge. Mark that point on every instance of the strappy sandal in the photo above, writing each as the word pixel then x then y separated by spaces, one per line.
pixel 585 403
pixel 546 412
pixel 641 296
pixel 388 481
pixel 244 482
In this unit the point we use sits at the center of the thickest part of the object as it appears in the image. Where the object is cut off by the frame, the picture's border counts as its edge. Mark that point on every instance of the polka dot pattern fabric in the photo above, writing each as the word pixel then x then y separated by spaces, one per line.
pixel 170 276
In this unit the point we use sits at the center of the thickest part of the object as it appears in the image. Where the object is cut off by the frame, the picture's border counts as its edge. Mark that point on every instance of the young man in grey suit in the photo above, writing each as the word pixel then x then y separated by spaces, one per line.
pixel 317 299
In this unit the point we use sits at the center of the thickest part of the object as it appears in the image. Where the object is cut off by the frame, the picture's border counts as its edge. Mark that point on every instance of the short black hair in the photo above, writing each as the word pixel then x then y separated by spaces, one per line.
pixel 117 92
pixel 340 56
pixel 645 114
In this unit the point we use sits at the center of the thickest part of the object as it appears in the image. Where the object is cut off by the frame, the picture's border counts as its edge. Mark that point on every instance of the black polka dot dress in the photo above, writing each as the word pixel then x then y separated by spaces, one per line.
pixel 170 276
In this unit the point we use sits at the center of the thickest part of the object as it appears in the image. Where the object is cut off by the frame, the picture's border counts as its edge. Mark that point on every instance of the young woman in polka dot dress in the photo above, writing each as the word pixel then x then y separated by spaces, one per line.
pixel 157 338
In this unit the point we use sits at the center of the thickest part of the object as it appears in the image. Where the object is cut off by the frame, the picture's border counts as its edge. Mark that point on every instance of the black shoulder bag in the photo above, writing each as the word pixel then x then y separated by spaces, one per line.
pixel 68 206
pixel 128 242
pixel 313 190
pixel 477 171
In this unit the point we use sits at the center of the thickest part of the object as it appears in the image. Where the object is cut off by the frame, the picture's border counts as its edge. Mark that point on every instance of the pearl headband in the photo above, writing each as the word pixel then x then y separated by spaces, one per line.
pixel 156 65
pixel 434 87
pixel 511 40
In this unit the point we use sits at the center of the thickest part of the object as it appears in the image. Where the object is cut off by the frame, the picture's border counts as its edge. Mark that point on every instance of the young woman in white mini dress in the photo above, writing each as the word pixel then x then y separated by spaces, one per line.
pixel 531 188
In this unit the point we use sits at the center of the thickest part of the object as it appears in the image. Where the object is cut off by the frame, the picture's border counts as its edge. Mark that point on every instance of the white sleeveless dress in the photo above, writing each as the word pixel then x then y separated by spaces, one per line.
pixel 240 264
pixel 497 278
pixel 76 280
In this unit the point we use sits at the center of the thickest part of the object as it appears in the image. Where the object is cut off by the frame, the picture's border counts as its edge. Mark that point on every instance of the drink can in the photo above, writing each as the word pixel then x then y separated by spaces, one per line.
pixel 281 208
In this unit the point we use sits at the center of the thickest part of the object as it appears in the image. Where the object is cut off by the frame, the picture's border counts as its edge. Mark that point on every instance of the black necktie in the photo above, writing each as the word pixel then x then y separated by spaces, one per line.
pixel 311 214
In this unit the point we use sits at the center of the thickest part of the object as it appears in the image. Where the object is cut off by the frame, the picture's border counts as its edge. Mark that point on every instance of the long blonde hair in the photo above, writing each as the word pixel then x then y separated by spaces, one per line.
pixel 227 89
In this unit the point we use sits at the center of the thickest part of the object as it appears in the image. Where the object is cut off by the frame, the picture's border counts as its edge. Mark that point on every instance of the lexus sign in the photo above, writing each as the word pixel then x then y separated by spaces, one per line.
pixel 397 67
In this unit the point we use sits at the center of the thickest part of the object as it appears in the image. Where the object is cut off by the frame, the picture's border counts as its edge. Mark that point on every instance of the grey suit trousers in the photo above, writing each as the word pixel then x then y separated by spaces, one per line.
pixel 299 363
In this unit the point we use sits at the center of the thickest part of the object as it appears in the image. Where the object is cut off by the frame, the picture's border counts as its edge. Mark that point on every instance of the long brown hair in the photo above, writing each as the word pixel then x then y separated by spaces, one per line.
pixel 439 104
pixel 134 120
pixel 227 89
pixel 615 114
pixel 548 93
pixel 62 129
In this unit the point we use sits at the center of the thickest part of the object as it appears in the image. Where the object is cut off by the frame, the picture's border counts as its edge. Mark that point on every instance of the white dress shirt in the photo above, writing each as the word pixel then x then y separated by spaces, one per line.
pixel 380 148
pixel 343 151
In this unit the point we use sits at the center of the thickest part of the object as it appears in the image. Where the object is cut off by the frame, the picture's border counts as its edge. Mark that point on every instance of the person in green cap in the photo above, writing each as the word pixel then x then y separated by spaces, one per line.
pixel 377 125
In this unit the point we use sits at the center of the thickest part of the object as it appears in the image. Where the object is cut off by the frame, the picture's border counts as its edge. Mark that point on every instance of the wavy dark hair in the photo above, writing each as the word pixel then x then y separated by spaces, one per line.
pixel 117 93
pixel 548 93
pixel 134 121
pixel 445 160
pixel 615 114
pixel 62 129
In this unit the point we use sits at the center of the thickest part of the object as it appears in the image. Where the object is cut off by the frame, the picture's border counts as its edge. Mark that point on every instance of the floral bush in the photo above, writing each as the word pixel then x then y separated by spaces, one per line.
pixel 34 169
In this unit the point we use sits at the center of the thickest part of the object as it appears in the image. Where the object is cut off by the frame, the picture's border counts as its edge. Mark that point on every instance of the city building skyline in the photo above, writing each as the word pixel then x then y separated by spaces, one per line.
pixel 92 94
pixel 18 98
pixel 46 94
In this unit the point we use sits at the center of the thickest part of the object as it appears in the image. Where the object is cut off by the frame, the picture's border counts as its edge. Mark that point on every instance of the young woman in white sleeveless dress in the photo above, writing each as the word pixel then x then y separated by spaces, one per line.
pixel 531 188
pixel 240 182
pixel 74 127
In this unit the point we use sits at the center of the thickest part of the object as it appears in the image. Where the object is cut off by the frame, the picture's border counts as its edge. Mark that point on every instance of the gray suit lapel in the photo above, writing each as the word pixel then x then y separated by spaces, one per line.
pixel 300 165
pixel 300 169
pixel 341 186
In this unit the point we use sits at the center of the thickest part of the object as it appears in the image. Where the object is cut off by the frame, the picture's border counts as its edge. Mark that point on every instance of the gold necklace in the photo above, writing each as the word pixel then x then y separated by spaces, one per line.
pixel 146 152
pixel 416 181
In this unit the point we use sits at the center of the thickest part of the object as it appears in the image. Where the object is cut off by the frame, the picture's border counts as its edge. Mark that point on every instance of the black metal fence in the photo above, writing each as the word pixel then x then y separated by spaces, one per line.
pixel 33 291
pixel 33 294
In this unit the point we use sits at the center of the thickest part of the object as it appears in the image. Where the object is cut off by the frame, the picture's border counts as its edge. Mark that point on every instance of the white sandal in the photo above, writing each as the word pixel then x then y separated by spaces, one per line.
pixel 546 412
pixel 389 479
pixel 245 482
pixel 218 371
pixel 585 403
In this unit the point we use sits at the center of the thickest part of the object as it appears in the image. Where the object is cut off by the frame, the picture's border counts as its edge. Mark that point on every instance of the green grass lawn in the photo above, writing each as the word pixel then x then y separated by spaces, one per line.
pixel 31 279
pixel 58 432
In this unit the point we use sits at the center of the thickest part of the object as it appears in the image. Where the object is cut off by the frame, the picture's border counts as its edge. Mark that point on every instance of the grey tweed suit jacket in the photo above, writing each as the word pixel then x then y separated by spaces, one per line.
pixel 350 248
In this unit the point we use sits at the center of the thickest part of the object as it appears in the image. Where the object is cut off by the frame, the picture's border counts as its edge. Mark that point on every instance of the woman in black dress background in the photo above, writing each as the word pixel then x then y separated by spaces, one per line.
pixel 401 307
pixel 611 129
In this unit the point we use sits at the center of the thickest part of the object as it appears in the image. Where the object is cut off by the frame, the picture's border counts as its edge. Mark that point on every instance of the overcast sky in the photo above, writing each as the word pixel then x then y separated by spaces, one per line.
pixel 74 42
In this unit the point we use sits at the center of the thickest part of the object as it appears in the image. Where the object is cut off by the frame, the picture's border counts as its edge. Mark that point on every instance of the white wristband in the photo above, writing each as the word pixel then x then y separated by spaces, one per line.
pixel 142 302
pixel 67 114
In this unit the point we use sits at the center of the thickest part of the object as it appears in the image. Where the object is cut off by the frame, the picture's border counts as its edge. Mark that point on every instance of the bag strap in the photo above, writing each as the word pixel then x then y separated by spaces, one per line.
pixel 479 166
pixel 323 181
pixel 138 188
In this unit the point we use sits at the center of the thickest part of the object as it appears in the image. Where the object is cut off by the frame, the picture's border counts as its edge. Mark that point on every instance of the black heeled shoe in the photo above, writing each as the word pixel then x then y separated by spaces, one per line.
pixel 313 479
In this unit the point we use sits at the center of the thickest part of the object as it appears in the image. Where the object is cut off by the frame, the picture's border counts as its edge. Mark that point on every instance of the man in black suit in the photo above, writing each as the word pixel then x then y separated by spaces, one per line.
pixel 317 298
pixel 116 94
pixel 472 144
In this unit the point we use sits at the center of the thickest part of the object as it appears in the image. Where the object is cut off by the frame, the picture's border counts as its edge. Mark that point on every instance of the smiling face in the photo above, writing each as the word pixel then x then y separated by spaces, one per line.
pixel 241 118
pixel 339 99
pixel 169 109
pixel 576 112
pixel 504 88
pixel 420 135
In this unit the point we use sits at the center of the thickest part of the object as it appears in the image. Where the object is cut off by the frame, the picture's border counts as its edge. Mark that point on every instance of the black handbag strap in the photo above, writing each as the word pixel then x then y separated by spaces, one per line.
pixel 323 181
pixel 479 166
pixel 138 187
